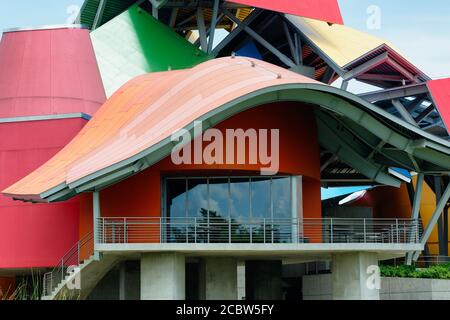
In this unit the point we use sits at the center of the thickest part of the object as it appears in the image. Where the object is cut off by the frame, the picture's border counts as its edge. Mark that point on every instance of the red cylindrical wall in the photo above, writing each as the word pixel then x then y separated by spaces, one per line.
pixel 43 73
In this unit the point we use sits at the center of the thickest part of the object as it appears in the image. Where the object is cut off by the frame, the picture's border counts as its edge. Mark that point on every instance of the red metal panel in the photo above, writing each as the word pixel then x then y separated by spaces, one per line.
pixel 34 235
pixel 440 91
pixel 48 72
pixel 326 10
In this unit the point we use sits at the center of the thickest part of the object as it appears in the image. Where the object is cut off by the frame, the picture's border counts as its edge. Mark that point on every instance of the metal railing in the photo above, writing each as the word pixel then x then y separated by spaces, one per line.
pixel 269 231
pixel 72 258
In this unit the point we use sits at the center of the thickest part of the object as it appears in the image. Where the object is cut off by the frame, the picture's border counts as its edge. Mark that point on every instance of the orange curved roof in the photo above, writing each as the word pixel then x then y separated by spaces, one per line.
pixel 138 120
pixel 144 111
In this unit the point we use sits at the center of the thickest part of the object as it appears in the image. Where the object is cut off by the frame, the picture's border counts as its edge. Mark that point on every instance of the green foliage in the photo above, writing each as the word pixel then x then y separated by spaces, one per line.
pixel 441 271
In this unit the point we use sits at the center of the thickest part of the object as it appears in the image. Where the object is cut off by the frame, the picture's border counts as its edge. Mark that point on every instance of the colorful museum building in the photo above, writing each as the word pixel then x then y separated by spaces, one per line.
pixel 170 149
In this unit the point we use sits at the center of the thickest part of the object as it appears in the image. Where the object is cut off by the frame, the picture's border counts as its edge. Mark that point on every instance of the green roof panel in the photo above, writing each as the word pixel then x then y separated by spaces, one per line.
pixel 135 43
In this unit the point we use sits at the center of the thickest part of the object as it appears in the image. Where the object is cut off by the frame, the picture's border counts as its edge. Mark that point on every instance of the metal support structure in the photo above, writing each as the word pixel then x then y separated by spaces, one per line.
pixel 365 67
pixel 403 112
pixel 434 219
pixel 236 31
pixel 212 28
pixel 416 208
pixel 202 30
pixel 99 14
pixel 283 58
pixel 438 191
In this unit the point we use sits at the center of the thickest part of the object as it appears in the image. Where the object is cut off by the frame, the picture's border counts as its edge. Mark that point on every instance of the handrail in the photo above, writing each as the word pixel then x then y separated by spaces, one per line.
pixel 257 230
pixel 70 259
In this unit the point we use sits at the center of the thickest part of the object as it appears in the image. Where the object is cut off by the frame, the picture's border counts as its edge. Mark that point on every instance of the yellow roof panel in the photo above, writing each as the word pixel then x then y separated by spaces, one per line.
pixel 341 44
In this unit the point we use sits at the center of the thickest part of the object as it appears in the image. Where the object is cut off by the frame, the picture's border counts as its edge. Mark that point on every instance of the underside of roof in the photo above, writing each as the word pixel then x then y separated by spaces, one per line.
pixel 358 55
pixel 133 128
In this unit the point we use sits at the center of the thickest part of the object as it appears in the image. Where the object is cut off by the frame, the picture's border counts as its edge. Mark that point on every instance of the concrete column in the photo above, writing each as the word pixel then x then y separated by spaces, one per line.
pixel 218 278
pixel 351 277
pixel 263 280
pixel 162 276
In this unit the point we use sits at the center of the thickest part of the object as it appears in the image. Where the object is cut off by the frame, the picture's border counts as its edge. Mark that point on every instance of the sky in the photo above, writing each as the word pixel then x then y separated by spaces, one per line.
pixel 420 29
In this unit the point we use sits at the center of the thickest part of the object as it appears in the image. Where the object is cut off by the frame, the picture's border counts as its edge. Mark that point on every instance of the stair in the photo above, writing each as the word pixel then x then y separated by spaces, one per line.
pixel 91 271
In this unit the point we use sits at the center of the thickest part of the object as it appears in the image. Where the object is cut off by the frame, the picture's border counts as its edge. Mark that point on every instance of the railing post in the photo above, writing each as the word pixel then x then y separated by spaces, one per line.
pixel 125 230
pixel 229 231
pixel 195 230
pixel 187 231
pixel 264 230
pixel 102 229
pixel 396 228
pixel 160 230
pixel 331 230
pixel 365 234
pixel 62 269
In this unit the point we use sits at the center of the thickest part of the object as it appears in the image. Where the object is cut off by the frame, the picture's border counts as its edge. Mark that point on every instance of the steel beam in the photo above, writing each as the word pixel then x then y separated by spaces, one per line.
pixel 424 114
pixel 434 219
pixel 403 112
pixel 367 66
pixel 236 31
pixel 202 30
pixel 99 14
pixel 261 40
pixel 395 93
pixel 212 28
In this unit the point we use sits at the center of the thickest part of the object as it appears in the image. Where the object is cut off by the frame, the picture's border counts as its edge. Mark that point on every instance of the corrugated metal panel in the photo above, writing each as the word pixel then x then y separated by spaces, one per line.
pixel 112 9
pixel 135 43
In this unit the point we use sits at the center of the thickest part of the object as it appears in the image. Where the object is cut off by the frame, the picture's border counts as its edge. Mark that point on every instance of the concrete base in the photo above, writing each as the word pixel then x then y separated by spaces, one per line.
pixel 162 276
pixel 263 280
pixel 350 276
pixel 218 278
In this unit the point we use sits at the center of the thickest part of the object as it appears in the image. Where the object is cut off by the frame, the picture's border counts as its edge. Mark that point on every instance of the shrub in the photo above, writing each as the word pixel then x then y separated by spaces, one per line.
pixel 403 271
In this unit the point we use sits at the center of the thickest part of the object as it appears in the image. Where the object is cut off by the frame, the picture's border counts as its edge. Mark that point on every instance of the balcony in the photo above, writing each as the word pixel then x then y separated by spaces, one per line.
pixel 134 230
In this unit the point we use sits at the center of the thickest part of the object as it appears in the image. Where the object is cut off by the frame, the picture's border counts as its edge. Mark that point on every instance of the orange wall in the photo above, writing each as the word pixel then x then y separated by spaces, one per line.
pixel 7 287
pixel 140 195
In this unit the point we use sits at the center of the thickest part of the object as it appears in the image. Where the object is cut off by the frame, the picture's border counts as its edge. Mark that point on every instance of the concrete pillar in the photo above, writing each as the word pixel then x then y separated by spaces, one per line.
pixel 162 276
pixel 218 278
pixel 263 280
pixel 352 280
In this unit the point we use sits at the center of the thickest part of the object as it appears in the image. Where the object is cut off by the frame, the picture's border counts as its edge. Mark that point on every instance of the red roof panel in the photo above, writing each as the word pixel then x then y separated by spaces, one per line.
pixel 440 91
pixel 326 10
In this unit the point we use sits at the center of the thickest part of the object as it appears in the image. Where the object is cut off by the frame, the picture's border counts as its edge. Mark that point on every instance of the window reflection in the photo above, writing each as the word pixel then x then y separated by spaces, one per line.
pixel 222 209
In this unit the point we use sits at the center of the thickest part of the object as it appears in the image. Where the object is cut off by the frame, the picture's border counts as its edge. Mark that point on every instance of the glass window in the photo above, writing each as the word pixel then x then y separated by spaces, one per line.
pixel 219 198
pixel 281 198
pixel 240 207
pixel 197 198
pixel 176 198
pixel 240 199
pixel 261 198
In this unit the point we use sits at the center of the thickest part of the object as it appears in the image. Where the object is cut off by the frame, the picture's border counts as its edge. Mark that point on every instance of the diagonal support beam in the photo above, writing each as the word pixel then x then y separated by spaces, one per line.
pixel 424 114
pixel 236 31
pixel 416 209
pixel 434 219
pixel 261 40
pixel 403 112
pixel 212 28
pixel 365 67
pixel 202 29
pixel 99 14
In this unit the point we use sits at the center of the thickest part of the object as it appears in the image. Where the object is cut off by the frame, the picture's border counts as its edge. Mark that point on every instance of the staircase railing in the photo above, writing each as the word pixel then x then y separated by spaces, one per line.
pixel 72 258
